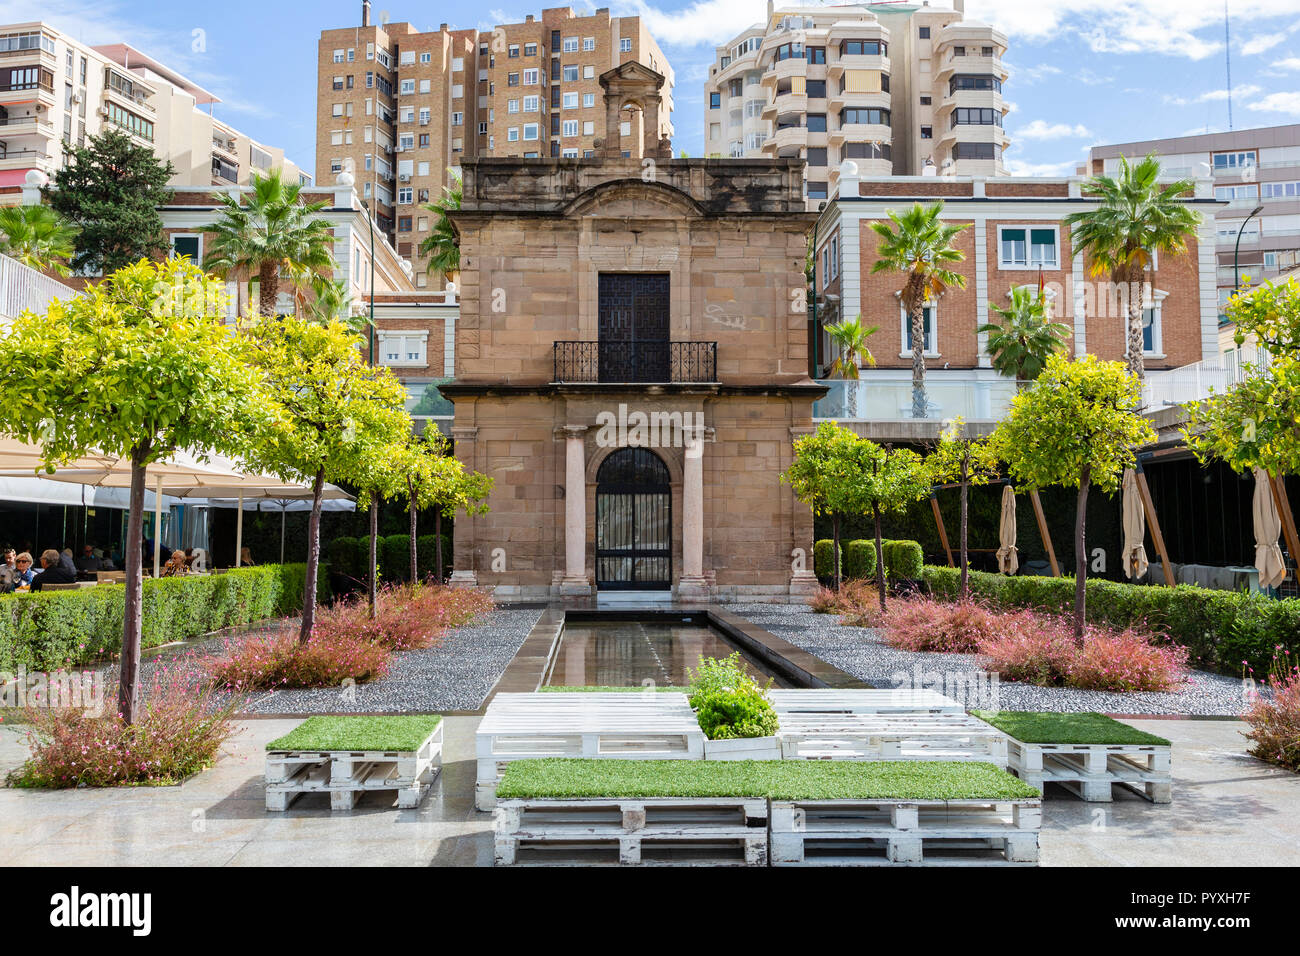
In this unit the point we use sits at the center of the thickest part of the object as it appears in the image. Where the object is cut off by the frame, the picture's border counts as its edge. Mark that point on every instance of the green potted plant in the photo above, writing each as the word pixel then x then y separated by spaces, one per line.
pixel 738 720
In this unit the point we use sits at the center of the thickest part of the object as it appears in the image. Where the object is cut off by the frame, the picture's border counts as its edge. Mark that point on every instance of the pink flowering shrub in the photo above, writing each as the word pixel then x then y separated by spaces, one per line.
pixel 279 659
pixel 1274 716
pixel 1038 654
pixel 1126 660
pixel 407 616
pixel 180 730
pixel 955 627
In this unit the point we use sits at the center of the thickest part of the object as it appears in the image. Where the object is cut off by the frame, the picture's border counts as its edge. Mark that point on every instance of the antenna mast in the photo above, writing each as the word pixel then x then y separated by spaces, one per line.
pixel 1227 57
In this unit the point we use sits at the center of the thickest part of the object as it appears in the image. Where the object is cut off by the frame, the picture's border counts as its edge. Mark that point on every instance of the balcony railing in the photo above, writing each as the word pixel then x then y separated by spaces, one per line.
pixel 1195 382
pixel 627 362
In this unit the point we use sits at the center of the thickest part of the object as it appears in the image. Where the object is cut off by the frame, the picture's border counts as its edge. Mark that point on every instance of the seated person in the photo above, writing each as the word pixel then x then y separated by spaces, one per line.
pixel 246 558
pixel 8 571
pixel 23 573
pixel 89 562
pixel 54 573
pixel 175 565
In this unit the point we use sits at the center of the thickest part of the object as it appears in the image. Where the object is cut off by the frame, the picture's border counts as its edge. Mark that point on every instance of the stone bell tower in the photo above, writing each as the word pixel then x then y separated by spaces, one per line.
pixel 633 86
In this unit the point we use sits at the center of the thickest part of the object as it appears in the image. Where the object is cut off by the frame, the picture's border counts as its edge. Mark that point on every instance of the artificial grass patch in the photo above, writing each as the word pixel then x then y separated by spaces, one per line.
pixel 604 689
pixel 1035 727
pixel 403 733
pixel 560 777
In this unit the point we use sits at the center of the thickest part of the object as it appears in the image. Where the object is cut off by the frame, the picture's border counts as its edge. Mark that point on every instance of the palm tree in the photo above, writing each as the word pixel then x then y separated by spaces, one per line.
pixel 330 300
pixel 38 237
pixel 1020 344
pixel 442 245
pixel 919 246
pixel 850 339
pixel 274 235
pixel 1135 217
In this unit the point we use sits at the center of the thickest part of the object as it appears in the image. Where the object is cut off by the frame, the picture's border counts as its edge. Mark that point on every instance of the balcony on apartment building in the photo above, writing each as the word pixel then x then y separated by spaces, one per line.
pixel 1195 382
pixel 647 362
pixel 23 85
pixel 22 125
pixel 977 395
pixel 858 125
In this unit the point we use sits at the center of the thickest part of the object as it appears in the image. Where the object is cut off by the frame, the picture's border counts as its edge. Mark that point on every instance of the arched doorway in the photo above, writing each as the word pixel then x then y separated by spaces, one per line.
pixel 634 522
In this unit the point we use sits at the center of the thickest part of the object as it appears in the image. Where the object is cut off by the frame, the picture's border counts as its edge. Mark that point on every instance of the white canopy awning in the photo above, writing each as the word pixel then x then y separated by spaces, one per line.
pixel 42 491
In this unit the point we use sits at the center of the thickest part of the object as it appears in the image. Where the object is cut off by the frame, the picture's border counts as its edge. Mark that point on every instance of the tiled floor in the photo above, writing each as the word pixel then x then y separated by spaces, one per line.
pixel 1228 810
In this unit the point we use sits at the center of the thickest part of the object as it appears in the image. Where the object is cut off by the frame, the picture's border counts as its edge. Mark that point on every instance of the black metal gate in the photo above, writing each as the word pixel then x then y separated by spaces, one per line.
pixel 634 327
pixel 634 522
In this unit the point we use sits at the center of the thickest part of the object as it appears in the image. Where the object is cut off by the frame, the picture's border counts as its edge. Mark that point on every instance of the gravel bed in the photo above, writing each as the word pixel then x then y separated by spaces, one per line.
pixel 862 652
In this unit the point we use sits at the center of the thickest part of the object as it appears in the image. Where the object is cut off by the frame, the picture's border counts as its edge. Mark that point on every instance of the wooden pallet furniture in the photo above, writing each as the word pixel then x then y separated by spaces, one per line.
pixel 889 736
pixel 904 832
pixel 346 775
pixel 646 831
pixel 1092 771
pixel 621 726
pixel 902 700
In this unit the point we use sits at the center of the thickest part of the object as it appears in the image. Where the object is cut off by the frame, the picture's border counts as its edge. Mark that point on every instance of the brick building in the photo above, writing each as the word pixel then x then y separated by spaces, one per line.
pixel 631 370
pixel 1015 235
pixel 402 107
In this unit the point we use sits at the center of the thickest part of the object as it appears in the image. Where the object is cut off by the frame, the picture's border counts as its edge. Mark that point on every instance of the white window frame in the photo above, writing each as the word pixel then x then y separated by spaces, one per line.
pixel 588 100
pixel 1155 304
pixel 588 44
pixel 512 134
pixel 570 101
pixel 405 338
pixel 569 45
pixel 1030 264
pixel 171 240
pixel 931 349
pixel 569 128
pixel 534 127
pixel 625 45
pixel 532 104
pixel 524 77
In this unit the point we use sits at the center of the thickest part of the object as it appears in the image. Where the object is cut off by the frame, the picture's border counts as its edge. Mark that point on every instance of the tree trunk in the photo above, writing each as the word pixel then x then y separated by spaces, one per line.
pixel 1081 555
pixel 918 359
pixel 313 559
pixel 1133 348
pixel 835 548
pixel 268 287
pixel 128 692
pixel 965 483
pixel 411 491
pixel 880 557
pixel 372 577
pixel 437 531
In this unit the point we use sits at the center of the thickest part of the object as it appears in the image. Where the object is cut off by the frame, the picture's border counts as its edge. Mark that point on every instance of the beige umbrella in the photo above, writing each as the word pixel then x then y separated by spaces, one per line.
pixel 1135 528
pixel 1008 561
pixel 1268 525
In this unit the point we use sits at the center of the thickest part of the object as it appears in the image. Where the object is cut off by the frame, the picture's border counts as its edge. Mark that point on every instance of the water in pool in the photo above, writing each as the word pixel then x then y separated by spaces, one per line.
pixel 629 653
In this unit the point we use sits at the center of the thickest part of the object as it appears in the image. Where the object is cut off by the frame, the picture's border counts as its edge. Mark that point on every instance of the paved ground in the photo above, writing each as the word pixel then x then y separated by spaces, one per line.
pixel 862 652
pixel 1228 810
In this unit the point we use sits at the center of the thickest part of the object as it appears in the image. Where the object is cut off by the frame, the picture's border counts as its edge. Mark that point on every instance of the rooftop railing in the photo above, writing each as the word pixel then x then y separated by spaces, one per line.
pixel 628 362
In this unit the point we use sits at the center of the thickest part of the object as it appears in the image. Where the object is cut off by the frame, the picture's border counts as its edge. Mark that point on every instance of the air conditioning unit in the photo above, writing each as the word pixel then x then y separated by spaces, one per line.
pixel 103 111
pixel 404 177
pixel 76 97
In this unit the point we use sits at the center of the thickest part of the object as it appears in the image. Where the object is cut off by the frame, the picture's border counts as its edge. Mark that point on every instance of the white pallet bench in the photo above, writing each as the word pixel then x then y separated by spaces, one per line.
pixel 628 726
pixel 348 774
pixel 1091 771
pixel 902 700
pixel 904 832
pixel 645 831
pixel 868 736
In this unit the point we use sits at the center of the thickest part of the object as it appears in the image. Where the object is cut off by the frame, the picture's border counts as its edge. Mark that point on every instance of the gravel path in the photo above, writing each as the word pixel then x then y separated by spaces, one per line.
pixel 863 653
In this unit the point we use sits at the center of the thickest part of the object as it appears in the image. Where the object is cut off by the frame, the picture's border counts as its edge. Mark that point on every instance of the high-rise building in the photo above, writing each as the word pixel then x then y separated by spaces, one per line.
pixel 402 107
pixel 1257 172
pixel 55 90
pixel 900 89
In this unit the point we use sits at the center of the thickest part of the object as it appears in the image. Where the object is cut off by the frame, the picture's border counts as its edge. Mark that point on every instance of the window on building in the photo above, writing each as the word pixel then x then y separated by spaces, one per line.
pixel 982 151
pixel 816 189
pixel 530 131
pixel 1025 247
pixel 963 116
pixel 531 78
pixel 405 196
pixel 570 45
pixel 588 128
pixel 512 134
pixel 865 151
pixel 187 244
pixel 927 132
pixel 815 89
pixel 1241 191
pixel 816 122
pixel 570 127
pixel 570 74
pixel 531 104
pixel 931 332
pixel 512 79
pixel 924 33
pixel 403 223
pixel 974 81
pixel 1237 160
pixel 863 48
pixel 340 56
pixel 588 100
pixel 588 72
pixel 860 115
pixel 570 101
pixel 625 45
pixel 815 54
pixel 715 101
pixel 1279 190
pixel 1152 333
pixel 925 101
pixel 816 156
pixel 530 49
pixel 588 44
pixel 402 348
pixel 512 51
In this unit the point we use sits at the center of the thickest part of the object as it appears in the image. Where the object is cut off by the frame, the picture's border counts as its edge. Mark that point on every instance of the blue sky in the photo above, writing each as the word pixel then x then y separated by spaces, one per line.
pixel 1083 71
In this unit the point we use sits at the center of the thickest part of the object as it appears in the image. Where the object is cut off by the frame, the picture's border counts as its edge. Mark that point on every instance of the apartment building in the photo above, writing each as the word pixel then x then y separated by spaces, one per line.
pixel 403 107
pixel 1257 172
pixel 55 90
pixel 1014 237
pixel 899 89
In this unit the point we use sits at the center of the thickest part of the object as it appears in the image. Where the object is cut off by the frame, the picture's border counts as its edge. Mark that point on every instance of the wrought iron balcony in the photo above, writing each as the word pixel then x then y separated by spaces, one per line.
pixel 628 362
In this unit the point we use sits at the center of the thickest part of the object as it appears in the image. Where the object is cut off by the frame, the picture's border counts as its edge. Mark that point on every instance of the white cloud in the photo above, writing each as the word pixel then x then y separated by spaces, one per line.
pixel 1214 96
pixel 1018 167
pixel 711 22
pixel 1128 26
pixel 1031 74
pixel 1040 129
pixel 1289 63
pixel 1278 103
pixel 1261 43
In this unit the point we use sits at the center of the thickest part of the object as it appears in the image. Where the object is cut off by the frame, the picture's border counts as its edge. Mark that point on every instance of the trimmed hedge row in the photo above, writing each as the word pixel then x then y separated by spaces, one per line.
pixel 903 559
pixel 351 556
pixel 1220 629
pixel 50 629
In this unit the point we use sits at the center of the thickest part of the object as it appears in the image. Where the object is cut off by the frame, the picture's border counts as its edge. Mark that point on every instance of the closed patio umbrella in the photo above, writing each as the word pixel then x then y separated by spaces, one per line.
pixel 1268 525
pixel 1008 560
pixel 1135 528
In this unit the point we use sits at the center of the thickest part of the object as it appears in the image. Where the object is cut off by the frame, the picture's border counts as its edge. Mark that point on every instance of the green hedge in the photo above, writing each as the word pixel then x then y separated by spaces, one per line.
pixel 824 558
pixel 860 559
pixel 903 560
pixel 1220 629
pixel 351 556
pixel 49 629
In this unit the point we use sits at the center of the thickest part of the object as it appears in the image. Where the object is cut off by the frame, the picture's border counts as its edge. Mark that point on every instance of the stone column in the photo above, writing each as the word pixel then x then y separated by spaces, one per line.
pixel 575 511
pixel 693 584
pixel 465 552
